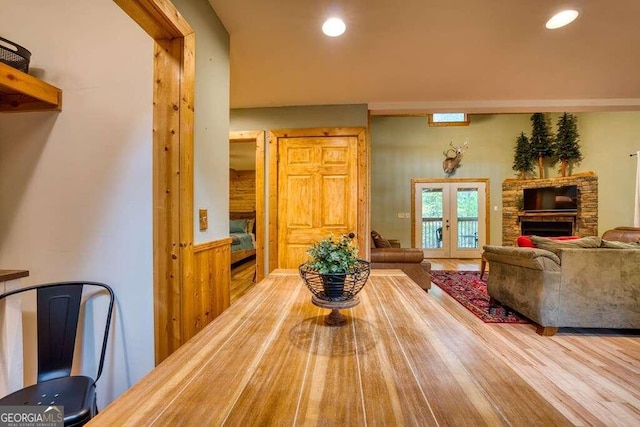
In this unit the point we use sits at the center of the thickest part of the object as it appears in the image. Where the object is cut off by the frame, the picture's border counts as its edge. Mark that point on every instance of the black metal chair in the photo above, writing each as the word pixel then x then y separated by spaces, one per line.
pixel 58 312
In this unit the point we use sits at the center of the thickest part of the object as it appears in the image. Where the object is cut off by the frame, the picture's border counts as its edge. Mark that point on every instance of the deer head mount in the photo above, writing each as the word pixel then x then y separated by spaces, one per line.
pixel 453 156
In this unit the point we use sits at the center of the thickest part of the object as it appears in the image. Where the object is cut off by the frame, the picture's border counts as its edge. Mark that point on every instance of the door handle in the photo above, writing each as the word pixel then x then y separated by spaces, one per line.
pixel 351 235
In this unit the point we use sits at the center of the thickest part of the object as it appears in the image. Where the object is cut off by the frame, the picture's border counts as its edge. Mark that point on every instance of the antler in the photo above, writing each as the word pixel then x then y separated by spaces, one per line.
pixel 453 156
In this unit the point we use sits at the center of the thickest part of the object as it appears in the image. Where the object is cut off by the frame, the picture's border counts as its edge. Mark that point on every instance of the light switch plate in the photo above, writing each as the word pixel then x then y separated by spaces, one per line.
pixel 204 221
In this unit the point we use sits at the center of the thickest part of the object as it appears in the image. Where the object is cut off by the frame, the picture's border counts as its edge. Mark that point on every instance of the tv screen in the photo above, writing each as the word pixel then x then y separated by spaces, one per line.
pixel 543 199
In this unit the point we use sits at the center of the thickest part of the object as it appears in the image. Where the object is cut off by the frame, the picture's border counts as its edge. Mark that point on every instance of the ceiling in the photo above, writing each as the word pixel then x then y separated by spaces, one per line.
pixel 418 56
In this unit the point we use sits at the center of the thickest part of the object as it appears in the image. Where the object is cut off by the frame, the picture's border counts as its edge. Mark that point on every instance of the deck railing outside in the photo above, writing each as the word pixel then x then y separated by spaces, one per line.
pixel 467 232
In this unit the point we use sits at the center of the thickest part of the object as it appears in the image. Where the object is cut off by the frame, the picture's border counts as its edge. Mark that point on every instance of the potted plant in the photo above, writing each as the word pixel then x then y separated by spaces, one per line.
pixel 541 140
pixel 522 161
pixel 332 260
pixel 567 147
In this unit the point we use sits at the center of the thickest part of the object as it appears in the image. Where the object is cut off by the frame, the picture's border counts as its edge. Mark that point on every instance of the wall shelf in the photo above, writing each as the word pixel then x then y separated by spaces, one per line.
pixel 21 92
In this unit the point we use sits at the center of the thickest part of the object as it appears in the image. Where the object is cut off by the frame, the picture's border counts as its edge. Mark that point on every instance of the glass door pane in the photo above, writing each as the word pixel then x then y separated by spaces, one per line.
pixel 467 218
pixel 468 226
pixel 432 210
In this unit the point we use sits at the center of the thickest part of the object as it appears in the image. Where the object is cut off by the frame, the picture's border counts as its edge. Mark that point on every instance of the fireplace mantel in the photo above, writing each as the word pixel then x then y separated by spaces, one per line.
pixel 584 220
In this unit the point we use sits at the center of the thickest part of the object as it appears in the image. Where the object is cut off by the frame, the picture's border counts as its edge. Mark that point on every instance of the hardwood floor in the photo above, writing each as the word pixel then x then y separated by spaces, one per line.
pixel 591 376
pixel 242 278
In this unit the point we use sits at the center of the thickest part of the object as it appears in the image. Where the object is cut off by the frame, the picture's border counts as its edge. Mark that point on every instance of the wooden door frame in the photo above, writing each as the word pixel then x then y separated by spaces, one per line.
pixel 173 100
pixel 415 181
pixel 363 201
pixel 256 137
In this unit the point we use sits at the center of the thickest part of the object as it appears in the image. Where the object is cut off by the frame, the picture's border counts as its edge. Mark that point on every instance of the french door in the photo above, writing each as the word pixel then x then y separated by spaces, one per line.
pixel 450 217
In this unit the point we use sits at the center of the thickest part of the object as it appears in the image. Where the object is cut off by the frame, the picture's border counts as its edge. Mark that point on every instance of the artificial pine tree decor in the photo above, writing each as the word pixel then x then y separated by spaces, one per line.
pixel 566 147
pixel 523 161
pixel 541 139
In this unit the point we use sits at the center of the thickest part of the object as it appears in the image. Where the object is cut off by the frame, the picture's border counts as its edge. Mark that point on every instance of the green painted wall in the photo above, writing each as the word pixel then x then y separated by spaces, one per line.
pixel 211 118
pixel 406 147
pixel 298 117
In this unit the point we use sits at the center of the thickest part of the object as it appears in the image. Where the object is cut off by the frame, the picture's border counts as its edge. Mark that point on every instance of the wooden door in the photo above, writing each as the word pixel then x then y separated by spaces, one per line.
pixel 320 190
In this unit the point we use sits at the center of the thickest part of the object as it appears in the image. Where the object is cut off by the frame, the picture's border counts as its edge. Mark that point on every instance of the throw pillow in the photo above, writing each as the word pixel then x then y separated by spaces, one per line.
pixel 525 242
pixel 612 244
pixel 379 241
pixel 238 226
pixel 556 245
pixel 250 224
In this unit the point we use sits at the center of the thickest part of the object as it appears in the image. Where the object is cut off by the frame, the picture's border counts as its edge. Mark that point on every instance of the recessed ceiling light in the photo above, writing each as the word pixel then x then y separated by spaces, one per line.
pixel 561 19
pixel 334 27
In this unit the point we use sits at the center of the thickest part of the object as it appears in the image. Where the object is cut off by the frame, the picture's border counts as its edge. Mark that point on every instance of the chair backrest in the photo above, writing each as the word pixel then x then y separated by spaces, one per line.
pixel 58 313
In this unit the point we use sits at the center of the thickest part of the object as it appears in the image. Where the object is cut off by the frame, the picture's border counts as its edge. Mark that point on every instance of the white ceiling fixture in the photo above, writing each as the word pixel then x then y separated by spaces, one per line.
pixel 334 27
pixel 561 19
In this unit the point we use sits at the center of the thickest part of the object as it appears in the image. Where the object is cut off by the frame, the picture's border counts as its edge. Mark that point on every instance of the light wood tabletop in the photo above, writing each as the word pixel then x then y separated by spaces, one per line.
pixel 269 359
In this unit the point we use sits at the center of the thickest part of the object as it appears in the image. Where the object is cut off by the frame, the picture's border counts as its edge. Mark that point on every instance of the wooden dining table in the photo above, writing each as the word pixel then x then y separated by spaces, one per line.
pixel 400 359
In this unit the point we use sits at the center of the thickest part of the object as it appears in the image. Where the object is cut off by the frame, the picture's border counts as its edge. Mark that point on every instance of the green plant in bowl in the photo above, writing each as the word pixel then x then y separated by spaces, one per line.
pixel 333 256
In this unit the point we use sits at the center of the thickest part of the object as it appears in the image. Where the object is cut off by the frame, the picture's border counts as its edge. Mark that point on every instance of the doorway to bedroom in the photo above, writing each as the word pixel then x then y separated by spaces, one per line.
pixel 450 217
pixel 246 210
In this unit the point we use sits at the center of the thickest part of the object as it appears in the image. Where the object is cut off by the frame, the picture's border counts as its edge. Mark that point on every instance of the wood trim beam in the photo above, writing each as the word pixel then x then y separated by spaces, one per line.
pixel 174 70
pixel 158 18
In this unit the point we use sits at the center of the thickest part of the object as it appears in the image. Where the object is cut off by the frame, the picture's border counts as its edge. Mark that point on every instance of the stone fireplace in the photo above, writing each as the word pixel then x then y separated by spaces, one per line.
pixel 516 222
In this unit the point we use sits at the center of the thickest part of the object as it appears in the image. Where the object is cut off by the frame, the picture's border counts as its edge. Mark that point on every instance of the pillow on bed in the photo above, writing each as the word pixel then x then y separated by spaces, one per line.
pixel 238 226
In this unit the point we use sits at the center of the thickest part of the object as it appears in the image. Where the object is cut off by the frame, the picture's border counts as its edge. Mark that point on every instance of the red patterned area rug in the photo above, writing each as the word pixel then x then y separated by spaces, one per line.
pixel 467 288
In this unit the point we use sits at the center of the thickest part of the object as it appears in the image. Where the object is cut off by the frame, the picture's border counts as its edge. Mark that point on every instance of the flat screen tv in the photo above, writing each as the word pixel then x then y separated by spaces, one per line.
pixel 549 199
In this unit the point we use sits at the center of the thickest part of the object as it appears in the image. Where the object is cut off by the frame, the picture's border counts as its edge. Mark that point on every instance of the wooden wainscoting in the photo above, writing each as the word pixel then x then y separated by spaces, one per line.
pixel 210 292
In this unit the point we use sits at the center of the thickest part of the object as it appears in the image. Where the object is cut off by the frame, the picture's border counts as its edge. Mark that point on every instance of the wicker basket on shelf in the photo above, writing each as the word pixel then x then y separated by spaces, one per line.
pixel 14 55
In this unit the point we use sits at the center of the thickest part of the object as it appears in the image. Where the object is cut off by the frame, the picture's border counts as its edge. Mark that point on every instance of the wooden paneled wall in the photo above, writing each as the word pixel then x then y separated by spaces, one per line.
pixel 209 293
pixel 242 190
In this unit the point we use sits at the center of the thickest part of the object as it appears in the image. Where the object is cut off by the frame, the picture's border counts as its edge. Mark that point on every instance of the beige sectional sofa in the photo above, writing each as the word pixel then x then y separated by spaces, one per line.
pixel 595 287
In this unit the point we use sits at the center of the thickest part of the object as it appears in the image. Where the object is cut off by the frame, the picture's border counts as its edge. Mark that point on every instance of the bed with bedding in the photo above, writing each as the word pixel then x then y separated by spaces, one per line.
pixel 242 232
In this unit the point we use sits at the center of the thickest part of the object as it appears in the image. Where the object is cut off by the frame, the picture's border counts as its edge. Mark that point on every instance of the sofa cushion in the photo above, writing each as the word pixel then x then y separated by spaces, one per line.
pixel 556 246
pixel 379 241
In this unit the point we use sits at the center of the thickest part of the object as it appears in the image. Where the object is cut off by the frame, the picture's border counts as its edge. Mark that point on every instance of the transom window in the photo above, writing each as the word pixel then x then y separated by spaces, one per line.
pixel 448 119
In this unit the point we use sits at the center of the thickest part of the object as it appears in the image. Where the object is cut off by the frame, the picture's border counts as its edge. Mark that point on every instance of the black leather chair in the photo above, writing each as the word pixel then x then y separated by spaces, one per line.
pixel 58 312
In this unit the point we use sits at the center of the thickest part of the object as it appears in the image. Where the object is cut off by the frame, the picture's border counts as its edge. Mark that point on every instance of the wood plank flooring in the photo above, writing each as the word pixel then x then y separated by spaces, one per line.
pixel 591 376
pixel 242 278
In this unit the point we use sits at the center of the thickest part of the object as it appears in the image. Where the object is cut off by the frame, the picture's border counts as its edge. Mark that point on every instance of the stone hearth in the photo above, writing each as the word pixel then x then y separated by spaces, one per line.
pixel 584 222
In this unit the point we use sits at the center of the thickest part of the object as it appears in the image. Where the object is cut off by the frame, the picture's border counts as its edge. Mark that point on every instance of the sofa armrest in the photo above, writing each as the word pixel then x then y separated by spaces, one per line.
pixel 397 255
pixel 623 234
pixel 537 259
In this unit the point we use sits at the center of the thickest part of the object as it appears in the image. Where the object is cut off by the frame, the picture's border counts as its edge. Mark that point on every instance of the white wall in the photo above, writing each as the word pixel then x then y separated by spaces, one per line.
pixel 75 186
pixel 211 122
